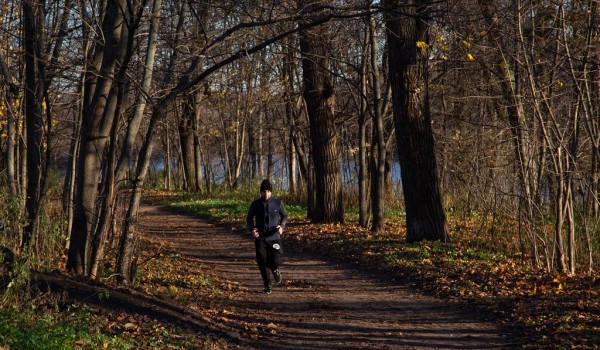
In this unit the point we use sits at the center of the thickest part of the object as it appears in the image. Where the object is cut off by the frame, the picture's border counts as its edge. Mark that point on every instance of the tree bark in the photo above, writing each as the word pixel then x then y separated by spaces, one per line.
pixel 379 157
pixel 320 102
pixel 186 140
pixel 11 155
pixel 135 119
pixel 196 100
pixel 425 217
pixel 363 174
pixel 34 84
pixel 95 134
pixel 167 158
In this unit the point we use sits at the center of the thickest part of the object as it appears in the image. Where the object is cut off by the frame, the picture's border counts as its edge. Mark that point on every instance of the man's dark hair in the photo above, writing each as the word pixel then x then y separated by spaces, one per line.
pixel 266 186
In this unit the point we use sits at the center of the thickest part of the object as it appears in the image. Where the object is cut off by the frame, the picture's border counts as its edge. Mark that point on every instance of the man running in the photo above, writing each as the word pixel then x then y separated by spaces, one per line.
pixel 266 221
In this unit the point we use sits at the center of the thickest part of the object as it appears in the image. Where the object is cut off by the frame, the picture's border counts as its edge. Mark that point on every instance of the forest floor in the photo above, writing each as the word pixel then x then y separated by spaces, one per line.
pixel 321 304
pixel 198 282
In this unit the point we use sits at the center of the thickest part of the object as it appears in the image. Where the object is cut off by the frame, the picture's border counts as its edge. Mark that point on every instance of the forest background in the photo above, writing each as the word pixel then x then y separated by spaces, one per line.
pixel 339 103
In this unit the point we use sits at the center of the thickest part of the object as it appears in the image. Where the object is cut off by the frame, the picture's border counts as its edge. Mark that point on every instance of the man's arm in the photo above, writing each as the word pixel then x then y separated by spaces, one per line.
pixel 282 216
pixel 250 218
pixel 250 221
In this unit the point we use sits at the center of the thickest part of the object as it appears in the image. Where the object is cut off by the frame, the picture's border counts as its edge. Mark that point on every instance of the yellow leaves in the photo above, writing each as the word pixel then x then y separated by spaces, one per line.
pixel 466 44
pixel 560 83
pixel 234 126
pixel 422 45
pixel 560 281
pixel 213 132
pixel 470 57
pixel 330 228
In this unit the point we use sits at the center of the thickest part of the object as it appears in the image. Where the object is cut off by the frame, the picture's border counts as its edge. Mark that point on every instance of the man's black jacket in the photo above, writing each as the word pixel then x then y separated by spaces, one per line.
pixel 268 214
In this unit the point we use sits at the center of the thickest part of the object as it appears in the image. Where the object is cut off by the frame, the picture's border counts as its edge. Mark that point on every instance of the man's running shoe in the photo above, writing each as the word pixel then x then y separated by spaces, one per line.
pixel 277 276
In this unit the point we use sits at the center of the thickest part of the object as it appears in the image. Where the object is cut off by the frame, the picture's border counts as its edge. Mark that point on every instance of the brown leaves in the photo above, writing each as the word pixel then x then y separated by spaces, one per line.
pixel 553 311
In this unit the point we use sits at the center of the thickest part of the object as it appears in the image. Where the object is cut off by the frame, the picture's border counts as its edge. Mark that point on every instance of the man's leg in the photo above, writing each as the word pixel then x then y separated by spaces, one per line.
pixel 262 255
pixel 274 259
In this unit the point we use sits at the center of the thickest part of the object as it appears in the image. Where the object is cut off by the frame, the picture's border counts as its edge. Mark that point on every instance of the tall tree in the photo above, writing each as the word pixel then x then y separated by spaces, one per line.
pixel 408 36
pixel 364 215
pixel 379 153
pixel 33 13
pixel 97 122
pixel 319 96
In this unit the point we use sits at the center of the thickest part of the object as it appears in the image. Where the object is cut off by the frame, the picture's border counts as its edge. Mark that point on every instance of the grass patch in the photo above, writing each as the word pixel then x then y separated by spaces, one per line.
pixel 81 327
pixel 228 210
pixel 77 328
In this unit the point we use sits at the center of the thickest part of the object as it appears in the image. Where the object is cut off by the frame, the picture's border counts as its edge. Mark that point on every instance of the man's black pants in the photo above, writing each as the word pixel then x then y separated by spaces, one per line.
pixel 268 257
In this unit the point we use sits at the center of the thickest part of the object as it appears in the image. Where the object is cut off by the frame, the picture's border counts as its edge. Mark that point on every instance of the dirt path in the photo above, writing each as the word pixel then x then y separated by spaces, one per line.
pixel 320 304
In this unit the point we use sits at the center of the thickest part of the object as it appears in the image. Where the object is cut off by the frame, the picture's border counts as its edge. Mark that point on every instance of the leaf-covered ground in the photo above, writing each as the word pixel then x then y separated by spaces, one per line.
pixel 551 311
pixel 321 304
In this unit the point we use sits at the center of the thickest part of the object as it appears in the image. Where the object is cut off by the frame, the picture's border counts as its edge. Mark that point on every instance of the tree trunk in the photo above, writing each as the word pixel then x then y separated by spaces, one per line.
pixel 186 139
pixel 363 166
pixel 197 149
pixel 135 120
pixel 167 158
pixel 252 153
pixel 561 258
pixel 269 153
pixel 207 161
pixel 11 145
pixel 320 103
pixel 69 185
pixel 239 144
pixel 292 116
pixel 33 23
pixel 425 217
pixel 259 140
pixel 108 202
pixel 379 157
pixel 95 133
pixel 11 156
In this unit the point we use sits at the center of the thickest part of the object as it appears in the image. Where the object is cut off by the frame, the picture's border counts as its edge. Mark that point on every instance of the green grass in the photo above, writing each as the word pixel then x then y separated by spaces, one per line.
pixel 74 328
pixel 228 210
pixel 31 329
